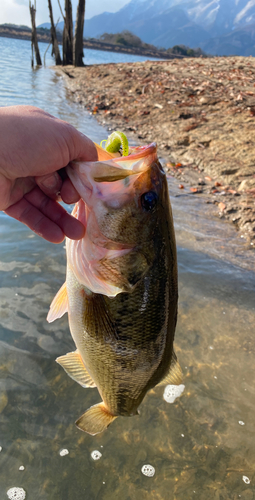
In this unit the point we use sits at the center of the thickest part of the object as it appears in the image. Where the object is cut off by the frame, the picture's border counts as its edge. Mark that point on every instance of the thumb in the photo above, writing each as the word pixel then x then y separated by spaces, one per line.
pixel 50 184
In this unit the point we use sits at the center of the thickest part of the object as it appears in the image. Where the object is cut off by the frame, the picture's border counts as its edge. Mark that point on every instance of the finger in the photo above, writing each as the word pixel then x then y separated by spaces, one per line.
pixel 24 212
pixel 46 217
pixel 50 184
pixel 88 149
pixel 68 192
pixel 71 227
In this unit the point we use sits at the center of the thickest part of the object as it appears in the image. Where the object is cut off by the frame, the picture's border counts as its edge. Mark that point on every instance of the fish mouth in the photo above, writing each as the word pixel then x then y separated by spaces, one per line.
pixel 87 176
pixel 148 152
pixel 136 152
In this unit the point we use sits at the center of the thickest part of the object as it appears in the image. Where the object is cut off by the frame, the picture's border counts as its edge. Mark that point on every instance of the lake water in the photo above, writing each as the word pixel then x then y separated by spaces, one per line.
pixel 203 445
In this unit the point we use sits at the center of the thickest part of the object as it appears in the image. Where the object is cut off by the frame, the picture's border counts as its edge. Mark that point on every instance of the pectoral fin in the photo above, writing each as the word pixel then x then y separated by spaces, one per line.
pixel 95 420
pixel 59 305
pixel 123 271
pixel 74 367
pixel 174 375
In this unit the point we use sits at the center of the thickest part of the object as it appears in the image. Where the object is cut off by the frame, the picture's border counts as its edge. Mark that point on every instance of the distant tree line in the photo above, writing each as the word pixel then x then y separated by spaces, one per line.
pixel 185 51
pixel 128 39
pixel 72 43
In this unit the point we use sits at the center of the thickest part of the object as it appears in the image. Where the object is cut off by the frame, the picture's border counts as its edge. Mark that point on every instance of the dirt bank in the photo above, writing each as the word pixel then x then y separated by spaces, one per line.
pixel 201 112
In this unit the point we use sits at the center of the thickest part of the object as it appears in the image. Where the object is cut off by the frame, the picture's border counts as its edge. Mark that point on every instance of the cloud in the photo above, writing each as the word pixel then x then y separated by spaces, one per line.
pixel 21 2
pixel 243 12
pixel 13 12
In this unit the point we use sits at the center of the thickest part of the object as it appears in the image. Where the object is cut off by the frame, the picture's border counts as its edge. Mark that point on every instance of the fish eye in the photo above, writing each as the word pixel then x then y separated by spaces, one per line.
pixel 149 200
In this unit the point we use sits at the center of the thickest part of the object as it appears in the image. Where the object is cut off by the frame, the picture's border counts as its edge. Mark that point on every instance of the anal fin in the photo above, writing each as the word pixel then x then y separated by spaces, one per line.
pixel 75 368
pixel 95 420
pixel 174 375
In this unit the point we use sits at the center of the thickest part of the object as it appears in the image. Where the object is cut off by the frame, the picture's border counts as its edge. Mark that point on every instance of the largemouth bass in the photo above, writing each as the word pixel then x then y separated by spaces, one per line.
pixel 121 285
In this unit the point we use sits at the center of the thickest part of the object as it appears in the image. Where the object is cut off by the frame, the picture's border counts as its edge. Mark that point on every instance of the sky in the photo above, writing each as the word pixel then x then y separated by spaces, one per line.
pixel 17 11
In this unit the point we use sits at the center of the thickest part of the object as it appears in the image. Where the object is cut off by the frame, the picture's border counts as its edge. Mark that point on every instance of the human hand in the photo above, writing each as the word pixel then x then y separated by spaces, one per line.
pixel 34 147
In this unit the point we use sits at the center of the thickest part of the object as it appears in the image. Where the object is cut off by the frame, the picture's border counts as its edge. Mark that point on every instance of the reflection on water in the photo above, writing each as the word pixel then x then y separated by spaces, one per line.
pixel 201 446
pixel 203 443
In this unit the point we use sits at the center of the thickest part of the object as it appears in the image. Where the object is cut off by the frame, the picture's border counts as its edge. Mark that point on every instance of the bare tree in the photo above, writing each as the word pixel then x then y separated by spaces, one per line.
pixel 54 41
pixel 78 37
pixel 34 42
pixel 68 34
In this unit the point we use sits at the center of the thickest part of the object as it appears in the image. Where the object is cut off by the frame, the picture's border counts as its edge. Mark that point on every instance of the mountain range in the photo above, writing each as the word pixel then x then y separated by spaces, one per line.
pixel 222 27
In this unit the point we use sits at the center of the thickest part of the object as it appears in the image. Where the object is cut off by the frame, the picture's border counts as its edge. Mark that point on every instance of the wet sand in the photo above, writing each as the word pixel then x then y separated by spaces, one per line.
pixel 201 113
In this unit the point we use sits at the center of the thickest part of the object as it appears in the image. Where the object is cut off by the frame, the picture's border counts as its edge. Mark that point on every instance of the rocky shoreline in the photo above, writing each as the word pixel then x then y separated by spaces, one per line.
pixel 201 112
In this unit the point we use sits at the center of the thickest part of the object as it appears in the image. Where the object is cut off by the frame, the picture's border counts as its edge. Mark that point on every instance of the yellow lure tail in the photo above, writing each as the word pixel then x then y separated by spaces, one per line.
pixel 116 141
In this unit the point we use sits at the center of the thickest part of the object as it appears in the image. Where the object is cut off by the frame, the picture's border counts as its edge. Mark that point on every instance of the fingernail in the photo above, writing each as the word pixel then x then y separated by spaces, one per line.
pixel 51 181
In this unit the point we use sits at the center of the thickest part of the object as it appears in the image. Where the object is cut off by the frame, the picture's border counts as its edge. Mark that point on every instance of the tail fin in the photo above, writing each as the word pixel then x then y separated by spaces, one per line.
pixel 95 420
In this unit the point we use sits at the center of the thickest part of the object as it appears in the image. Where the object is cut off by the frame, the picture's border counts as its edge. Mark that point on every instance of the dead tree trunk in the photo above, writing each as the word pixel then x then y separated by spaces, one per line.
pixel 34 42
pixel 78 37
pixel 55 48
pixel 68 34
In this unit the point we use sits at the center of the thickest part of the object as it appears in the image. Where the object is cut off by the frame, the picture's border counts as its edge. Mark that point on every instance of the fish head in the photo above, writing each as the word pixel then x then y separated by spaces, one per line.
pixel 123 201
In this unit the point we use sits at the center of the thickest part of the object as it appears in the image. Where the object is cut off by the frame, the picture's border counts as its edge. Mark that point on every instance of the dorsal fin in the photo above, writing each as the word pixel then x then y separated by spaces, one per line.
pixel 59 305
pixel 174 374
pixel 75 368
pixel 95 420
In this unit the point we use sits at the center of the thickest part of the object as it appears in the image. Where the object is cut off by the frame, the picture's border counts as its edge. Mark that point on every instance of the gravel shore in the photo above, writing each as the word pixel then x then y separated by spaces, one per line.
pixel 201 113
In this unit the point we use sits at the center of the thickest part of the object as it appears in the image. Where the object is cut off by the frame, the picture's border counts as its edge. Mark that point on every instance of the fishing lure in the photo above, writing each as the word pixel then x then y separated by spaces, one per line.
pixel 116 141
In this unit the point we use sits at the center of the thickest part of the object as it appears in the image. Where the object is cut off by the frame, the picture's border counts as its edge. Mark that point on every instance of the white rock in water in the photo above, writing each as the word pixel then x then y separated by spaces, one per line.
pixel 148 470
pixel 64 452
pixel 172 392
pixel 96 455
pixel 16 494
pixel 246 480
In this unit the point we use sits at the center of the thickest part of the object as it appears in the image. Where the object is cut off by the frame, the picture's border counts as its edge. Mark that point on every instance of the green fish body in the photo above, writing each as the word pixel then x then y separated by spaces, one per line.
pixel 121 287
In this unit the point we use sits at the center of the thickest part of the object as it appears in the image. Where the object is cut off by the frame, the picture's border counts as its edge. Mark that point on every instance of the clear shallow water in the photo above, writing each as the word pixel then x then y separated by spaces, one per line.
pixel 203 445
